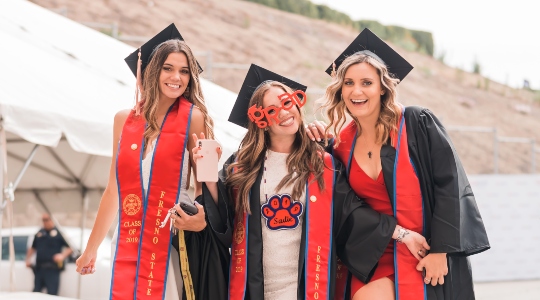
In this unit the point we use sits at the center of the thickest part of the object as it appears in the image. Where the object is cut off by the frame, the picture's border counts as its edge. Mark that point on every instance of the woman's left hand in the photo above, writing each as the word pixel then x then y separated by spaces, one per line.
pixel 416 243
pixel 194 223
pixel 436 268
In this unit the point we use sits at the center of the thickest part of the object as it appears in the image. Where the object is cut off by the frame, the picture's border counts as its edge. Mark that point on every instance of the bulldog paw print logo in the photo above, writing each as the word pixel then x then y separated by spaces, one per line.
pixel 281 212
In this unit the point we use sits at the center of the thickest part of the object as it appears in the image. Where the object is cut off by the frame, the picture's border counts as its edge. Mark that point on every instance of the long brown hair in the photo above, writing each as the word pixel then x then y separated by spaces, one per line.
pixel 304 160
pixel 150 81
pixel 336 108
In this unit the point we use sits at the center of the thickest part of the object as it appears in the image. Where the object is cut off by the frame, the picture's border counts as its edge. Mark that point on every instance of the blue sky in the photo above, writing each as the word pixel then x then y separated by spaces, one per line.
pixel 503 36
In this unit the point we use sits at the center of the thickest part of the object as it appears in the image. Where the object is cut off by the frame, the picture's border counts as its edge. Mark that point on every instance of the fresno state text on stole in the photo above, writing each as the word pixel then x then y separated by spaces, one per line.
pixel 155 240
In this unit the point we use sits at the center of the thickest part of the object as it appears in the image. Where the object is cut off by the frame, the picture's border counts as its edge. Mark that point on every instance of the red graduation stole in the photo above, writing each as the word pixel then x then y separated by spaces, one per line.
pixel 318 252
pixel 407 203
pixel 142 255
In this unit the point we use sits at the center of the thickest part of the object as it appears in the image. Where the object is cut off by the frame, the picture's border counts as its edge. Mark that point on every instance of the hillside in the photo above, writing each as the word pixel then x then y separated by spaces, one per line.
pixel 242 32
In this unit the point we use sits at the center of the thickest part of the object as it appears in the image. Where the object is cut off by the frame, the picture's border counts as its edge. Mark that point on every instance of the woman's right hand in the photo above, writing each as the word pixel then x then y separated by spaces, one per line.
pixel 315 131
pixel 86 263
pixel 196 149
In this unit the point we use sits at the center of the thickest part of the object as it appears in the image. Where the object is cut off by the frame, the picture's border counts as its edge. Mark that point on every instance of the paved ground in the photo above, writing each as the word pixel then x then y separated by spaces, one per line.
pixel 30 296
pixel 512 290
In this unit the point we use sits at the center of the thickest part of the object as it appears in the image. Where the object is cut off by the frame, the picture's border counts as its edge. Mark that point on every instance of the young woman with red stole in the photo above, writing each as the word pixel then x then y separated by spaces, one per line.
pixel 285 207
pixel 402 162
pixel 149 175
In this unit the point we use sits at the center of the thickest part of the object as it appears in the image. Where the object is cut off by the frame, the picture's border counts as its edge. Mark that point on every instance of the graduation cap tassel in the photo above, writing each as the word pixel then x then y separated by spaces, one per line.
pixel 139 88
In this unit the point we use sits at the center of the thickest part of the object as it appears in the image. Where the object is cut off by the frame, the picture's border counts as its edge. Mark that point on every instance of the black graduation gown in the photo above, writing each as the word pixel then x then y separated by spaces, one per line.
pixel 208 262
pixel 452 221
pixel 360 234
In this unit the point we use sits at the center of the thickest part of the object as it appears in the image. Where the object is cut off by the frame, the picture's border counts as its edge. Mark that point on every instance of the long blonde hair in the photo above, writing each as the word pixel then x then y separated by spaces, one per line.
pixel 304 160
pixel 335 106
pixel 150 81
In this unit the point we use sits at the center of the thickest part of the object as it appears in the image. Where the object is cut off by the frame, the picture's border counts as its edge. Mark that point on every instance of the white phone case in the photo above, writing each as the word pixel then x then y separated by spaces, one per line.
pixel 207 166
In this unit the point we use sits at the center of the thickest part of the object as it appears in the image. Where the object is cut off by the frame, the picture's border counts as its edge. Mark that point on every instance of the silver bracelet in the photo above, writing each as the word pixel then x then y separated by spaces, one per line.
pixel 402 232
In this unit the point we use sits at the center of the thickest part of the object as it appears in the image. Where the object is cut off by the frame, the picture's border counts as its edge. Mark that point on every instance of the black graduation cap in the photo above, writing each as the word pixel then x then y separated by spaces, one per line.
pixel 169 33
pixel 378 49
pixel 254 78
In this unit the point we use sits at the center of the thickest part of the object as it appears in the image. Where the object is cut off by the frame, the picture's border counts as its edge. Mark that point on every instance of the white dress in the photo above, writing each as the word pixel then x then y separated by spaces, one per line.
pixel 174 285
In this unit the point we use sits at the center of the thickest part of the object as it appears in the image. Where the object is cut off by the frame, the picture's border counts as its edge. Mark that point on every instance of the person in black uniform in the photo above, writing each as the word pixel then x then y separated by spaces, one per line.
pixel 50 256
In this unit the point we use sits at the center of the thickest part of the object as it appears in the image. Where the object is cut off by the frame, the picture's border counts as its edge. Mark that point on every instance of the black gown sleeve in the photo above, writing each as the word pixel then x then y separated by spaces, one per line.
pixel 456 226
pixel 362 233
pixel 208 250
pixel 220 215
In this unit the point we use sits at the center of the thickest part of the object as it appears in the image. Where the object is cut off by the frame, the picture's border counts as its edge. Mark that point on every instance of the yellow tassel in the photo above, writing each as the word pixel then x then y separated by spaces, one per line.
pixel 184 267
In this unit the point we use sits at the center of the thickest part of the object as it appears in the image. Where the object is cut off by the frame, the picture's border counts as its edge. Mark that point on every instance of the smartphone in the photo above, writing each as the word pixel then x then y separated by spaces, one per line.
pixel 207 166
pixel 188 207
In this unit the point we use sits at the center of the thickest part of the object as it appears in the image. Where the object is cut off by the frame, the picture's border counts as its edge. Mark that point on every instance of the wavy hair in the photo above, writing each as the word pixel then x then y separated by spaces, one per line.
pixel 335 106
pixel 304 160
pixel 150 82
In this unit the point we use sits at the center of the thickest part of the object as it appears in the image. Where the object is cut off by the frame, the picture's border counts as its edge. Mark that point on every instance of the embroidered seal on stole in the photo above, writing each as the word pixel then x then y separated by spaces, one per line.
pixel 132 204
pixel 239 233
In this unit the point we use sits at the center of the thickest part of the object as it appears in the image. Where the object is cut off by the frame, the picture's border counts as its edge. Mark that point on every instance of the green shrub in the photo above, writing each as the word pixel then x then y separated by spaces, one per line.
pixel 477 68
pixel 413 40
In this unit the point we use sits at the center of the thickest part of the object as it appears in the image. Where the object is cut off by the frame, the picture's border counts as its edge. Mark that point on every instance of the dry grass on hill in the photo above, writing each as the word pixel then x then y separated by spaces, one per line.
pixel 243 32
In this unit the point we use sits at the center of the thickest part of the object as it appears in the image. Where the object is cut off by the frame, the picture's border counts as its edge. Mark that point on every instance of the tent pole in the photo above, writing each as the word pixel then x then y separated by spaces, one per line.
pixel 26 165
pixel 9 192
pixel 64 166
pixel 87 166
pixel 53 189
pixel 42 168
pixel 3 176
pixel 6 197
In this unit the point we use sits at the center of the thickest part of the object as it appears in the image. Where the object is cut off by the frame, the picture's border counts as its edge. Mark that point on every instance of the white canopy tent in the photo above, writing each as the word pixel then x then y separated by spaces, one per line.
pixel 60 85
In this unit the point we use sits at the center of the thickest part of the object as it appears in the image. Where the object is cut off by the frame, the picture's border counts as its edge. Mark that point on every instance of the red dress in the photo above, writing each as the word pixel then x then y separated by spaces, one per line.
pixel 375 194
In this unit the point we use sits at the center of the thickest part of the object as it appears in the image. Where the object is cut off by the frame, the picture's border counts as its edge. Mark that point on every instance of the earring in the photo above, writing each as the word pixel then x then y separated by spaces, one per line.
pixel 382 93
pixel 265 128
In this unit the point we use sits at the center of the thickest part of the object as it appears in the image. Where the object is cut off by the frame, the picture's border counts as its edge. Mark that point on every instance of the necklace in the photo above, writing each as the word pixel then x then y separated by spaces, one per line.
pixel 370 153
pixel 264 175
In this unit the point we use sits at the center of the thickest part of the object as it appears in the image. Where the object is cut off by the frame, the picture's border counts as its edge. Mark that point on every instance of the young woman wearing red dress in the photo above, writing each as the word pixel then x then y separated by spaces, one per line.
pixel 402 162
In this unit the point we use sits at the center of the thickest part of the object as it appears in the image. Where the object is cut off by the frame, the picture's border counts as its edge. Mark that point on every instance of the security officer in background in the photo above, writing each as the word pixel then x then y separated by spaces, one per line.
pixel 47 245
